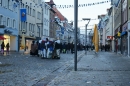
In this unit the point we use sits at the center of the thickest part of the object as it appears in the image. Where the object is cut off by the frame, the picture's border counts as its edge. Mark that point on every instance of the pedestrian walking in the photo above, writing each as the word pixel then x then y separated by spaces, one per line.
pixel 72 47
pixel 7 49
pixel 64 48
pixel 2 48
pixel 68 48
pixel 34 47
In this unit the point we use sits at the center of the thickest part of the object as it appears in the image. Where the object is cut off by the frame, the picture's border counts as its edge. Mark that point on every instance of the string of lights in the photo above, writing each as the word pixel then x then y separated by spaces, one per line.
pixel 83 5
pixel 62 6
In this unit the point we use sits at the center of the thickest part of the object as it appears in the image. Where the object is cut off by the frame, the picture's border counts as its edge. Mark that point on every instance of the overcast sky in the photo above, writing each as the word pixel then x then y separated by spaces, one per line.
pixel 83 12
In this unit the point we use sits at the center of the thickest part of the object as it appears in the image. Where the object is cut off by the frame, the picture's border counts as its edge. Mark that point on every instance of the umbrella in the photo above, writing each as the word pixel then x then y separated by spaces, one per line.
pixel 96 38
pixel 2 38
pixel 23 42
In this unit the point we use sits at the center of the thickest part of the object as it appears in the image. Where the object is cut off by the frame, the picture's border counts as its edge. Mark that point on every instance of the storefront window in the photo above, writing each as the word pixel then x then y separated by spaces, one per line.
pixel 7 40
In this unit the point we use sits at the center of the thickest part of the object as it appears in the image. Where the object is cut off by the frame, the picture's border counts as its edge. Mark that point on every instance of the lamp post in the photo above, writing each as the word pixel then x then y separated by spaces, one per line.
pixel 75 35
pixel 88 19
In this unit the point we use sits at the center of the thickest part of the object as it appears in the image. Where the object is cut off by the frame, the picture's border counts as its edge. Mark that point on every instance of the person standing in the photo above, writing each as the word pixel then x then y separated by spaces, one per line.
pixel 72 47
pixel 2 48
pixel 7 48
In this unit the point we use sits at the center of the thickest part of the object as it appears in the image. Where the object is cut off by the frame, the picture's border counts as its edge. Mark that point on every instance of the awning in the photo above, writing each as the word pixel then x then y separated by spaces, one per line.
pixel 2 38
pixel 123 33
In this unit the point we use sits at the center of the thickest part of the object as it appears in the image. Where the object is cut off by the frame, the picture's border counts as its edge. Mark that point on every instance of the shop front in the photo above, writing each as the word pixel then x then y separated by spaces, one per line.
pixel 117 40
pixel 124 40
pixel 109 41
pixel 10 36
pixel 28 42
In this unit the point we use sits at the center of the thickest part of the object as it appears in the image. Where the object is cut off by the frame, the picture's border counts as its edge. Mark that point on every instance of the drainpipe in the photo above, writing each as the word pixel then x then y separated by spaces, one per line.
pixel 113 47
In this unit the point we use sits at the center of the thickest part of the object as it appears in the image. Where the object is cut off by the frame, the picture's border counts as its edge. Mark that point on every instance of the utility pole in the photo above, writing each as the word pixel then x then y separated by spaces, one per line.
pixel 75 29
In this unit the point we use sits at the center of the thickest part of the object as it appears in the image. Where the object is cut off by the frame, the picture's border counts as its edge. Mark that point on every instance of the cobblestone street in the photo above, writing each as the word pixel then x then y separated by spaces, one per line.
pixel 102 69
pixel 25 70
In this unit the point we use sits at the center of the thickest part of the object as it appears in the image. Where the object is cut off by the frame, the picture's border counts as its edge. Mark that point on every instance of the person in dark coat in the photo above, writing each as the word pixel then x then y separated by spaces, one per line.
pixel 68 47
pixel 34 47
pixel 7 48
pixel 64 48
pixel 2 47
pixel 72 47
pixel 106 46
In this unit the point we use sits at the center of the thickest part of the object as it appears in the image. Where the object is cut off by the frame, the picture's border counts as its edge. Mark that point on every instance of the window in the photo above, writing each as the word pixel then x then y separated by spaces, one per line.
pixel 39 1
pixel 29 26
pixel 33 13
pixel 45 8
pixel 33 27
pixel 1 2
pixel 23 25
pixel 13 23
pixel 38 31
pixel 44 31
pixel 38 15
pixel 8 4
pixel 26 26
pixel 23 5
pixel 1 19
pixel 47 11
pixel 47 33
pixel 8 20
pixel 30 11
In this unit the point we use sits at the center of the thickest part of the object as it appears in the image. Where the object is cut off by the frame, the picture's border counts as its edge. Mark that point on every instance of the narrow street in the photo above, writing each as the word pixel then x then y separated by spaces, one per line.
pixel 25 70
pixel 101 69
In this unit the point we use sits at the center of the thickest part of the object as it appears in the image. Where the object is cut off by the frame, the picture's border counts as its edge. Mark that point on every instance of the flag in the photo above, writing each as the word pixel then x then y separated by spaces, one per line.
pixel 96 38
pixel 23 15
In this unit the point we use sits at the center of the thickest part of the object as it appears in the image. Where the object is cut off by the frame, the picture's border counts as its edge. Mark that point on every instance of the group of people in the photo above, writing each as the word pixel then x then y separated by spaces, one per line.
pixel 3 47
pixel 46 48
pixel 105 47
pixel 67 47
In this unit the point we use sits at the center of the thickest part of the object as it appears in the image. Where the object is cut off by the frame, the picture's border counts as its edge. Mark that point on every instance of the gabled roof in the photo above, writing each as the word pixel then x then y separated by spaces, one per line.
pixel 60 16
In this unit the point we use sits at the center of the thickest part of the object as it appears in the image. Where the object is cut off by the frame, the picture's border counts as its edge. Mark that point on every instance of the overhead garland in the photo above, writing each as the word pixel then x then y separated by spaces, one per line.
pixel 66 6
pixel 83 5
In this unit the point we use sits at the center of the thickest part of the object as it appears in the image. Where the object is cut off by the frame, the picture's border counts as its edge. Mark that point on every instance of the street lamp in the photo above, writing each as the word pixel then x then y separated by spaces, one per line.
pixel 88 19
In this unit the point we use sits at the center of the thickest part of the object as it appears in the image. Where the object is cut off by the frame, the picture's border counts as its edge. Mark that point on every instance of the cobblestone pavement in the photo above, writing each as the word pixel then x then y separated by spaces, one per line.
pixel 102 69
pixel 24 70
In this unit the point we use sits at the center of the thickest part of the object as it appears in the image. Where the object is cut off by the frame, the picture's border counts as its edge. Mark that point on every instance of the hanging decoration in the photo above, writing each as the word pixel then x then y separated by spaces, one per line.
pixel 83 5
pixel 18 2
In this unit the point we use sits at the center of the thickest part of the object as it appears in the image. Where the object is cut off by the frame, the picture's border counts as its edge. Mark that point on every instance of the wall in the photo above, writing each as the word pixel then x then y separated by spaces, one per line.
pixel 9 17
pixel 14 43
pixel 34 16
pixel 117 16
pixel 124 11
pixel 128 9
pixel 104 36
pixel 46 19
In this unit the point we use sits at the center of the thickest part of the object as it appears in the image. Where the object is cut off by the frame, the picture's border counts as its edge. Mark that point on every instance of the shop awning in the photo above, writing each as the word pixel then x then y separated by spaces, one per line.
pixel 123 33
pixel 2 38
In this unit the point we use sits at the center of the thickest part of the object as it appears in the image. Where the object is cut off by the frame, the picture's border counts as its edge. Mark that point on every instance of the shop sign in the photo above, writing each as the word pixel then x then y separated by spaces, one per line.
pixel 110 37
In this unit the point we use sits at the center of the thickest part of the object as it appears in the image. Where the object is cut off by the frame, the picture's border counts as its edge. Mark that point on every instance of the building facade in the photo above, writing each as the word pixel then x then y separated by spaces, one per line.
pixel 128 28
pixel 46 20
pixel 9 18
pixel 32 25
pixel 124 27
